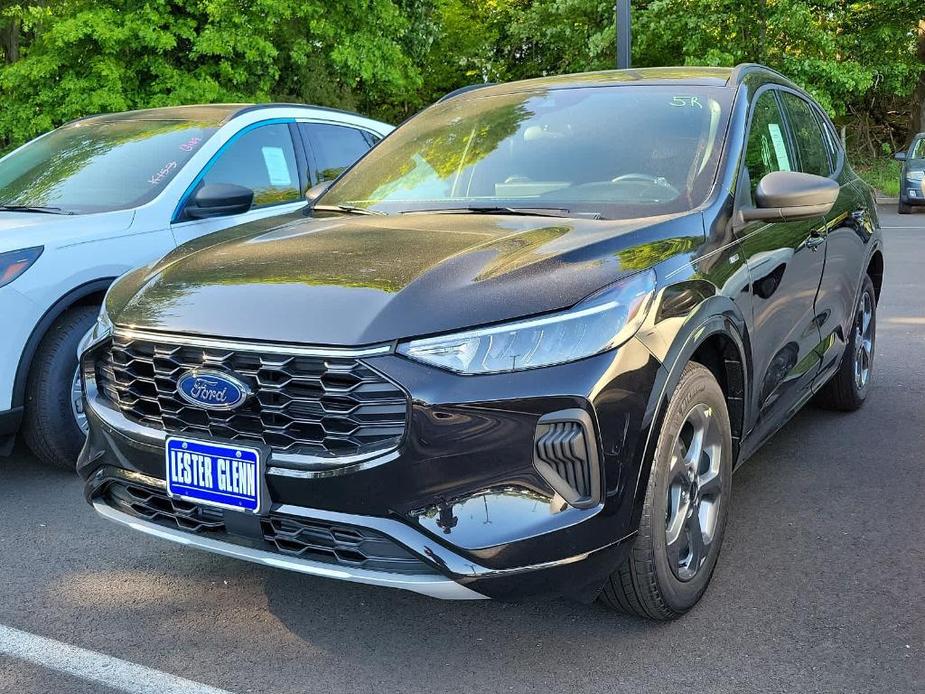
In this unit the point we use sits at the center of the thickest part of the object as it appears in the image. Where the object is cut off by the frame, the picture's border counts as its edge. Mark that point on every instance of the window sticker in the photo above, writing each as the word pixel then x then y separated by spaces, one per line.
pixel 277 168
pixel 780 147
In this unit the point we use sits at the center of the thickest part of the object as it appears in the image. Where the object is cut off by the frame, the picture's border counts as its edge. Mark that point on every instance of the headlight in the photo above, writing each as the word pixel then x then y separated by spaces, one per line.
pixel 915 175
pixel 14 263
pixel 601 322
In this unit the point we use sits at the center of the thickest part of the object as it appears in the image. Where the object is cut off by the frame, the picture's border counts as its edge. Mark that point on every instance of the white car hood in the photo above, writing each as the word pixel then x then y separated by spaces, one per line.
pixel 28 229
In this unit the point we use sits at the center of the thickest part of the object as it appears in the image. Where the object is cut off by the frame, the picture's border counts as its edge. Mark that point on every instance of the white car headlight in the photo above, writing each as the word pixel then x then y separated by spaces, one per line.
pixel 915 175
pixel 601 322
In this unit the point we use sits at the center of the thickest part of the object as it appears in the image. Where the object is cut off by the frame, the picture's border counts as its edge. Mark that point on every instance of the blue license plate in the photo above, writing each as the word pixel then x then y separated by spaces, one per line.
pixel 214 474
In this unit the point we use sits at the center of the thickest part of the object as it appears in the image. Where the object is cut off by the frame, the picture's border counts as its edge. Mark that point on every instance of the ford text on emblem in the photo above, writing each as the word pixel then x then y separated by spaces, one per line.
pixel 212 390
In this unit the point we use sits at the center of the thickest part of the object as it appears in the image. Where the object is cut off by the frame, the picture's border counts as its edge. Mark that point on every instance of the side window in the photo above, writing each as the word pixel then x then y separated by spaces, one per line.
pixel 335 147
pixel 767 149
pixel 810 141
pixel 831 143
pixel 264 161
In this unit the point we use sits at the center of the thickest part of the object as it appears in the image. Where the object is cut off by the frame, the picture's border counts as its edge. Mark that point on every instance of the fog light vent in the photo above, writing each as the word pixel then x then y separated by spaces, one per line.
pixel 565 454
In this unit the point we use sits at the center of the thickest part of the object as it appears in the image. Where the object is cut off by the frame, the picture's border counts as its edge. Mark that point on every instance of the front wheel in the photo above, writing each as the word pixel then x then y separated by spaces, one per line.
pixel 54 426
pixel 686 505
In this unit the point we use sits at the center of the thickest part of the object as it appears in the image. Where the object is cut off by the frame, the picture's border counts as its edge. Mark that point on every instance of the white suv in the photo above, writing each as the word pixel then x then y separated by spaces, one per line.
pixel 95 198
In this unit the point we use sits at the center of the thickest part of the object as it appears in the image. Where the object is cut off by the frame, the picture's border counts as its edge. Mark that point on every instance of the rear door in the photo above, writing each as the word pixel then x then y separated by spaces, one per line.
pixel 785 262
pixel 847 227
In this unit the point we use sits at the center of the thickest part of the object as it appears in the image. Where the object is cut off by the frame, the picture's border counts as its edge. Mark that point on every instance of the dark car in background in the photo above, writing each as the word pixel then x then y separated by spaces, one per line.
pixel 518 349
pixel 912 177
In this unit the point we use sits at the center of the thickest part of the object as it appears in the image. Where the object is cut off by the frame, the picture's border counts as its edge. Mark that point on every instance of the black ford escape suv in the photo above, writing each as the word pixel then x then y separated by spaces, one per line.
pixel 517 349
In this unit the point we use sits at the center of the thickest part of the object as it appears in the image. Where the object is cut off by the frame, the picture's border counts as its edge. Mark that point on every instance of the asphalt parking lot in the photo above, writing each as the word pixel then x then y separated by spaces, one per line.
pixel 820 587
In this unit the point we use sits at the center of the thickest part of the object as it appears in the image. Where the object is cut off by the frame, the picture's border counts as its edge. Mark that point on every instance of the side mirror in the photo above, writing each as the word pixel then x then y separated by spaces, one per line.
pixel 900 156
pixel 219 200
pixel 791 195
pixel 315 192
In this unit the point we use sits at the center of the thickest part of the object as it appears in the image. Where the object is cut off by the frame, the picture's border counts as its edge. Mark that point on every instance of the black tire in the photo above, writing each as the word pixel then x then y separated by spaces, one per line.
pixel 844 392
pixel 646 585
pixel 904 208
pixel 49 426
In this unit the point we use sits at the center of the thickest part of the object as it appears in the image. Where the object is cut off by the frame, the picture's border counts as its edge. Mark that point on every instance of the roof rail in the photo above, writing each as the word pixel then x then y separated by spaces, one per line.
pixel 280 104
pixel 463 90
pixel 740 70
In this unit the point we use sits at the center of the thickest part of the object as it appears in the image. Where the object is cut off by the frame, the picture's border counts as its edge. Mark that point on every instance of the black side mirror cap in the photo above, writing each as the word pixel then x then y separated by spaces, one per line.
pixel 900 156
pixel 219 200
pixel 792 195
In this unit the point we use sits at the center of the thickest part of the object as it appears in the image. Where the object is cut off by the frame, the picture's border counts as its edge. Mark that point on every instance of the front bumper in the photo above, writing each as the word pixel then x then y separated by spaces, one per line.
pixel 461 493
pixel 912 192
pixel 20 315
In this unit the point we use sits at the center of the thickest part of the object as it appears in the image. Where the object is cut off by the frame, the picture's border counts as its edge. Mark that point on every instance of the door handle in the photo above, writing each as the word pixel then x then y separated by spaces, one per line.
pixel 815 240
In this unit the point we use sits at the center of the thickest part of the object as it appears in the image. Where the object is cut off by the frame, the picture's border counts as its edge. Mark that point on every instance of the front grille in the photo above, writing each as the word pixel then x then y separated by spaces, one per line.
pixel 155 506
pixel 310 539
pixel 326 407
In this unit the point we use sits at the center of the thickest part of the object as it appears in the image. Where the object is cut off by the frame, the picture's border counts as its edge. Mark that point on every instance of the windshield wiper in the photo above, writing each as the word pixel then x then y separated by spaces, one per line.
pixel 33 208
pixel 518 211
pixel 349 209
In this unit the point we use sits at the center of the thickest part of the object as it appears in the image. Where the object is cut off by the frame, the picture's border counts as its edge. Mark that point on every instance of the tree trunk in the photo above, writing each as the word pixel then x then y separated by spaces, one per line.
pixel 918 108
pixel 9 41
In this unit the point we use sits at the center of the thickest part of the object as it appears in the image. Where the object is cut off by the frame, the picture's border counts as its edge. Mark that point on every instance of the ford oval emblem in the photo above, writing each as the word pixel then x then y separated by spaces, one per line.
pixel 212 390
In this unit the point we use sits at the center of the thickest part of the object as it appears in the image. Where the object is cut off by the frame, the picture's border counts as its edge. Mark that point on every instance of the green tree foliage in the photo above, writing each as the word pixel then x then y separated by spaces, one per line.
pixel 858 58
pixel 88 56
pixel 61 59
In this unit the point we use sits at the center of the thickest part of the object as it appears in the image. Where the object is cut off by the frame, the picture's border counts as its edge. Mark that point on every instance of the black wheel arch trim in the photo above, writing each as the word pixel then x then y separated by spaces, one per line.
pixel 716 315
pixel 41 328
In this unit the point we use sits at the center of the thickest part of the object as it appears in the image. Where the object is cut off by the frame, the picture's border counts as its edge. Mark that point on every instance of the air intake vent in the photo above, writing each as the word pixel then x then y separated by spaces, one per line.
pixel 565 454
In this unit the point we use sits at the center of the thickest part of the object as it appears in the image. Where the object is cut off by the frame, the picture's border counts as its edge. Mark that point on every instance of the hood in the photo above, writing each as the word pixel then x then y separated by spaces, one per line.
pixel 27 229
pixel 364 280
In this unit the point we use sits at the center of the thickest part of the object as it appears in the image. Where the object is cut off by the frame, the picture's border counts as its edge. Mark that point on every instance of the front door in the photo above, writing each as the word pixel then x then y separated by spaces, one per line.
pixel 263 159
pixel 785 262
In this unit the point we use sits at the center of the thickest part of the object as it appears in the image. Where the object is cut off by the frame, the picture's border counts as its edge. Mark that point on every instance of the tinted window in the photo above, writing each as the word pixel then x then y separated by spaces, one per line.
pixel 767 150
pixel 807 132
pixel 622 151
pixel 100 165
pixel 335 148
pixel 262 160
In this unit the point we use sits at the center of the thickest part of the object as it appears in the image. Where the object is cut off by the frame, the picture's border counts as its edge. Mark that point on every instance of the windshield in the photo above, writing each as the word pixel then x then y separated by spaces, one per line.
pixel 918 149
pixel 99 166
pixel 623 151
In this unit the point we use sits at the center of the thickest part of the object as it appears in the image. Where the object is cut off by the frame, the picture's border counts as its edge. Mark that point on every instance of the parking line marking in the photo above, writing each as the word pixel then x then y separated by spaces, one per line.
pixel 95 667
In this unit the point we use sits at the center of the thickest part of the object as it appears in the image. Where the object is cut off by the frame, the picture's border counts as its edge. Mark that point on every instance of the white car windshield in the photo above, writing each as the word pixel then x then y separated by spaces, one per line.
pixel 99 165
pixel 622 151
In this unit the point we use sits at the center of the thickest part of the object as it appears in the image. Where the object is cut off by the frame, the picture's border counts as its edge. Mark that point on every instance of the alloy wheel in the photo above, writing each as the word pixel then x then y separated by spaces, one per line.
pixel 694 492
pixel 864 341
